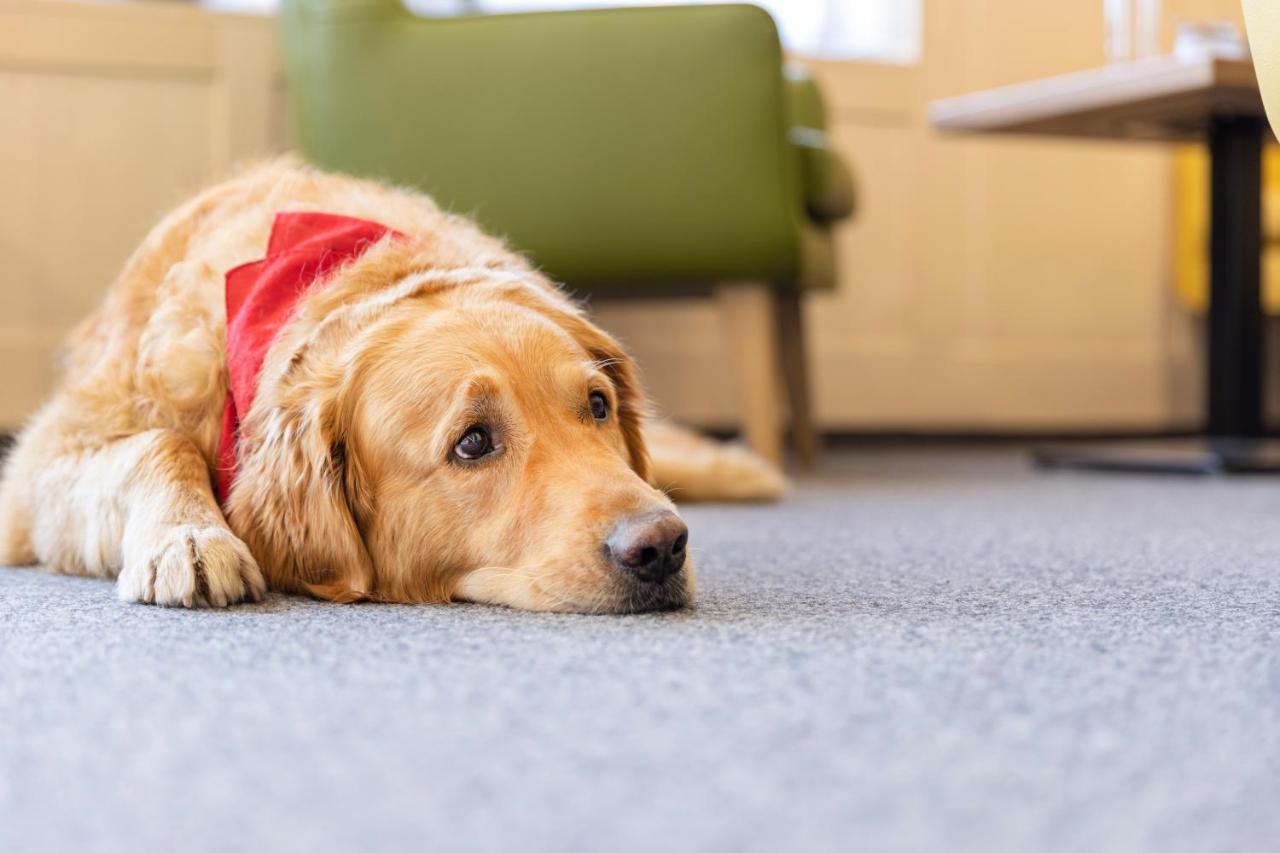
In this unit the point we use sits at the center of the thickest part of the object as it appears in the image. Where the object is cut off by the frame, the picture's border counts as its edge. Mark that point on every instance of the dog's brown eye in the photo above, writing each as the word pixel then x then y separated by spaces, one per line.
pixel 599 405
pixel 475 443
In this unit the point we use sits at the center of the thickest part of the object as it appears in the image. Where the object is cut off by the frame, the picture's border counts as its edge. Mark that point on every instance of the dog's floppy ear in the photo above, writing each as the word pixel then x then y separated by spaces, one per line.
pixel 297 499
pixel 633 406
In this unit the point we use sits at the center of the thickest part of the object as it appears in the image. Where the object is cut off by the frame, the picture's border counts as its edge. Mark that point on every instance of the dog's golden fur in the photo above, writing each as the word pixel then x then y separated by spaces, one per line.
pixel 346 488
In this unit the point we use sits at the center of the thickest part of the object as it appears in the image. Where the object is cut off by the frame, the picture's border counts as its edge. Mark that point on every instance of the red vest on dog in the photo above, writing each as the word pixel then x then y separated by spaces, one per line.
pixel 261 296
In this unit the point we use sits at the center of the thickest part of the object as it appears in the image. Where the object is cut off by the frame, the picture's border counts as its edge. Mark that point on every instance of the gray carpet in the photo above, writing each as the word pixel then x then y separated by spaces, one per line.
pixel 918 651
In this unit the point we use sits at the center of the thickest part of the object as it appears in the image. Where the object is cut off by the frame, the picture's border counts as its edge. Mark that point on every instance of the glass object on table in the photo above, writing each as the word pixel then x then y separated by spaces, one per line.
pixel 1132 27
pixel 1199 41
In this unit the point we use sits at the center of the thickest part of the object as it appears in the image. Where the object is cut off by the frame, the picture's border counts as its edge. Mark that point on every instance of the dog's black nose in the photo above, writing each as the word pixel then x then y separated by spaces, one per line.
pixel 651 547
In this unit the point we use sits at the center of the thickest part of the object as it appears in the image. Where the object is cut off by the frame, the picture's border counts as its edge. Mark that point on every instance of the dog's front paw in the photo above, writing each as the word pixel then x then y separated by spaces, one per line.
pixel 190 566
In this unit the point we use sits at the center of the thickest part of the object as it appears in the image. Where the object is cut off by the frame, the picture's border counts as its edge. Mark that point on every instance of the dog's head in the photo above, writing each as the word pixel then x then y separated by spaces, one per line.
pixel 445 438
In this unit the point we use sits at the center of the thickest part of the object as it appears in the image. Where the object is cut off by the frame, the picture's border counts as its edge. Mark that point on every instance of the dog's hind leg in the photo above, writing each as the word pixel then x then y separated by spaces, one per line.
pixel 692 467
pixel 139 509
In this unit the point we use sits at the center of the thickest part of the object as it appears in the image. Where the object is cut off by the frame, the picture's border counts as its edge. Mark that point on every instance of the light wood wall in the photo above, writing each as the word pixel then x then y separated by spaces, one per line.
pixel 986 285
pixel 112 115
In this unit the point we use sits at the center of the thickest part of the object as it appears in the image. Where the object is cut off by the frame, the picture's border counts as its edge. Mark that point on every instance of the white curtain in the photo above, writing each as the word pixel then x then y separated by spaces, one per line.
pixel 871 30
pixel 867 30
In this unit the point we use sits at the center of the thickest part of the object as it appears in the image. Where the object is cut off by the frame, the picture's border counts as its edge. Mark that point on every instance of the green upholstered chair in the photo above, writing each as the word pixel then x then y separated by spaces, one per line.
pixel 630 152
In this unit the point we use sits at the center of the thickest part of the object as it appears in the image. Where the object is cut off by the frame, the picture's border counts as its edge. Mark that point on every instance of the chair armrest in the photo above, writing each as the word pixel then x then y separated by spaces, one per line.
pixel 611 144
pixel 829 193
pixel 828 185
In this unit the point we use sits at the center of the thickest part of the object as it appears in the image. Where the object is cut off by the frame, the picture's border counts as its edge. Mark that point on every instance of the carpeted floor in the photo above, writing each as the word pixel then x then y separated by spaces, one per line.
pixel 918 651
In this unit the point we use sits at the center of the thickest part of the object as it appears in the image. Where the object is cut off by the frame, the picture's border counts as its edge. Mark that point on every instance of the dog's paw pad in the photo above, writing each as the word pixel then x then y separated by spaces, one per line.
pixel 190 566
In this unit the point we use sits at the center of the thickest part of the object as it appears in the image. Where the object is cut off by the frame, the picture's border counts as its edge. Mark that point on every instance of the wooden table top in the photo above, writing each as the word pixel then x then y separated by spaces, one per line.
pixel 1161 98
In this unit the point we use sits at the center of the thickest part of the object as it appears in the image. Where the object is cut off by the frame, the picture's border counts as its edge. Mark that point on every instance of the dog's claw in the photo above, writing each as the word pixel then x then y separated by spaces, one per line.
pixel 190 566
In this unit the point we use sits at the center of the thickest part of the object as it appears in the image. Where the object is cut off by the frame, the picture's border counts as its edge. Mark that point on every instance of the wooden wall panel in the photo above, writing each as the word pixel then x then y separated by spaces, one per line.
pixel 113 114
pixel 986 284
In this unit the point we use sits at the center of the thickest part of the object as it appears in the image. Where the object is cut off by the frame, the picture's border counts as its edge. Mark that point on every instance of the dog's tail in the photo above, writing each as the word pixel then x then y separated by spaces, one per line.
pixel 692 467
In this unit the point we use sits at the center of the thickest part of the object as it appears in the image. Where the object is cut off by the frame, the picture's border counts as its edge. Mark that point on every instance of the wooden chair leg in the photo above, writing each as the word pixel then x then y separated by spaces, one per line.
pixel 751 322
pixel 795 373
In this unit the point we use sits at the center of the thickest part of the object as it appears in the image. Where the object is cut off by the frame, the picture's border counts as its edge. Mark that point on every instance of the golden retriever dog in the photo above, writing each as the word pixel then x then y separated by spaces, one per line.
pixel 431 419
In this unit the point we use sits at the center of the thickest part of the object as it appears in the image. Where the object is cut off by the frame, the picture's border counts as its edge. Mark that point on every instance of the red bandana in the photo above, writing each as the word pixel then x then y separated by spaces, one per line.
pixel 261 297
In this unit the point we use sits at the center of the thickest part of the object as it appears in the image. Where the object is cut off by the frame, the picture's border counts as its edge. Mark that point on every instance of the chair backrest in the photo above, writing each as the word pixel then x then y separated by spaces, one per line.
pixel 613 145
pixel 1262 18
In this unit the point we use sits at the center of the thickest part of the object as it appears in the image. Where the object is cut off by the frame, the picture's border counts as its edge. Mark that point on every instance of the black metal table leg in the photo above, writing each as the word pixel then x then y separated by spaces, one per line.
pixel 1235 270
pixel 1234 392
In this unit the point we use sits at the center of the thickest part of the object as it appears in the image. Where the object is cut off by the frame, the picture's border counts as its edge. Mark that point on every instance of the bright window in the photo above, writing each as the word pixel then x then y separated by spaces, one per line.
pixel 871 30
pixel 867 30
